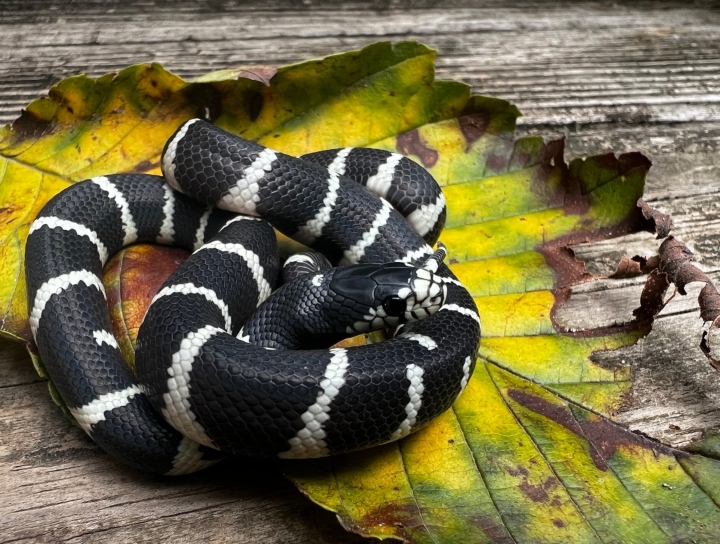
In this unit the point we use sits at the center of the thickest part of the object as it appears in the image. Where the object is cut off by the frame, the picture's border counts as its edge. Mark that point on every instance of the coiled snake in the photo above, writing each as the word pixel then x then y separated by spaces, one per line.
pixel 214 370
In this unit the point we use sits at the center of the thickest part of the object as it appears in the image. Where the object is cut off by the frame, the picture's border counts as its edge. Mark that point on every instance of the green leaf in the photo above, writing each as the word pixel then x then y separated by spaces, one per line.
pixel 529 452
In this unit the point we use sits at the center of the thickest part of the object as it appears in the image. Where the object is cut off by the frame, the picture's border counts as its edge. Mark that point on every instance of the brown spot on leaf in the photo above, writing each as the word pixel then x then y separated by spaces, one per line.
pixel 558 523
pixel 607 437
pixel 603 436
pixel 263 74
pixel 496 532
pixel 518 471
pixel 496 163
pixel 410 143
pixel 399 516
pixel 558 414
pixel 539 493
pixel 567 194
pixel 661 223
pixel 536 493
pixel 473 127
pixel 521 159
pixel 6 214
pixel 145 166
pixel 29 127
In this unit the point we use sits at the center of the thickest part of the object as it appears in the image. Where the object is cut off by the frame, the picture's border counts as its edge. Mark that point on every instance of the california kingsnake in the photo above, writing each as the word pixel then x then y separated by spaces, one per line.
pixel 219 390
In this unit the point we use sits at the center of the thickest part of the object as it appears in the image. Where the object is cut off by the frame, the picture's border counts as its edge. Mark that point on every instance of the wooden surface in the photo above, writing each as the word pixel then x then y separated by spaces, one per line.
pixel 611 78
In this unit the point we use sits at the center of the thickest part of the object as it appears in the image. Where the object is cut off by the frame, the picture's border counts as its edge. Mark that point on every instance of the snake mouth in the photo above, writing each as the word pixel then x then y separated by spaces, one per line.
pixel 426 295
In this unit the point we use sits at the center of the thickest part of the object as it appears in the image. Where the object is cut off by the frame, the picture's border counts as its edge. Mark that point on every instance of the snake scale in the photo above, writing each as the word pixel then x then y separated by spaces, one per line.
pixel 219 371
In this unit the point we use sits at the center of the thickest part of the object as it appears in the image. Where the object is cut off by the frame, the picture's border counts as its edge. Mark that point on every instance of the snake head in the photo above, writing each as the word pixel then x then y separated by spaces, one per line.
pixel 422 296
pixel 388 295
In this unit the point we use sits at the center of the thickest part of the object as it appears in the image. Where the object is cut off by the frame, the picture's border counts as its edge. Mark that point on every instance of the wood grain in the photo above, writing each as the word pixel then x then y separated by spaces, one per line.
pixel 609 78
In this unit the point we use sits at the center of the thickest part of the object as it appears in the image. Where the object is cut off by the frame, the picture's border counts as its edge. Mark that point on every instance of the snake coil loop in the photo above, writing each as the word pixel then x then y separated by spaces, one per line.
pixel 216 373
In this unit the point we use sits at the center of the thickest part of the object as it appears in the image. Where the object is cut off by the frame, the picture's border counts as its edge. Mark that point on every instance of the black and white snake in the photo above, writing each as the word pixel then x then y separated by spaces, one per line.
pixel 214 370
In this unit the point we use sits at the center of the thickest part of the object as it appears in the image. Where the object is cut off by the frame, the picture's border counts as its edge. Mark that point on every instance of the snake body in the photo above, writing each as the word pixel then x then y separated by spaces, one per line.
pixel 216 373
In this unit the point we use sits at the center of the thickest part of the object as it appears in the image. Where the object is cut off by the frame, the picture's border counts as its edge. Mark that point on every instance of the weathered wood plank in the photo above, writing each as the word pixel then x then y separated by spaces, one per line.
pixel 610 78
pixel 589 64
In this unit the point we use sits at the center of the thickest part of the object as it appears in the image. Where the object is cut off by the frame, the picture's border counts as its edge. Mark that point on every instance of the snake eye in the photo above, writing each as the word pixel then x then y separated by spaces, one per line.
pixel 394 306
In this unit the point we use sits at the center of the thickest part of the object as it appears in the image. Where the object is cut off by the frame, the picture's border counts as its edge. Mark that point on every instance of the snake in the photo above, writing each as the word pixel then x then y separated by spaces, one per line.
pixel 224 364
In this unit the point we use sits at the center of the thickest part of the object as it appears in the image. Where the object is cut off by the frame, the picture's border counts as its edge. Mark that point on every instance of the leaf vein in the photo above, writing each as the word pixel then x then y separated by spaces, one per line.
pixel 480 474
pixel 412 490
